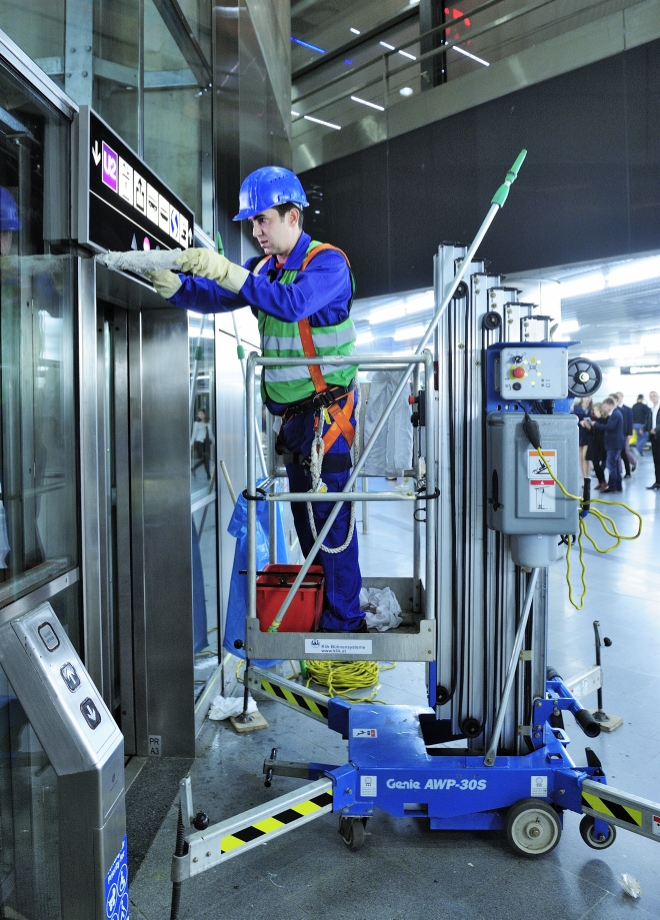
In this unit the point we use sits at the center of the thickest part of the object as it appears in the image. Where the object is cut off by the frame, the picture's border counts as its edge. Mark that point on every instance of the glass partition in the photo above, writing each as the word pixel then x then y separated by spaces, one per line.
pixel 29 842
pixel 38 459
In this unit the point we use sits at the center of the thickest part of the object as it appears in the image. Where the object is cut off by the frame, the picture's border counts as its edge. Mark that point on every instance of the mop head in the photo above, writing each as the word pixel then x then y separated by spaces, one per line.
pixel 140 263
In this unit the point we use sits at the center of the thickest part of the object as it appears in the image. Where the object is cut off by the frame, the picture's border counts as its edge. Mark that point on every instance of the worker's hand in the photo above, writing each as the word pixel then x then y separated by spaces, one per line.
pixel 167 283
pixel 212 265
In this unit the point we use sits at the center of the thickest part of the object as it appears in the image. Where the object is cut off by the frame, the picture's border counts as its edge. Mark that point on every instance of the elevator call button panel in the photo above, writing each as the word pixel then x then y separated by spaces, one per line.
pixel 533 372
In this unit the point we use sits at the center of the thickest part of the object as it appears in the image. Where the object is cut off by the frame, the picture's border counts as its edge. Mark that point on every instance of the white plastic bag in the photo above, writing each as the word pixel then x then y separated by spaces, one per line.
pixel 630 885
pixel 381 608
pixel 223 707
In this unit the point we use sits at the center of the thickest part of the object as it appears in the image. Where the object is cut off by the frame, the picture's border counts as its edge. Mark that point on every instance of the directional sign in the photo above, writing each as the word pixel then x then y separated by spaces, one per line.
pixel 122 204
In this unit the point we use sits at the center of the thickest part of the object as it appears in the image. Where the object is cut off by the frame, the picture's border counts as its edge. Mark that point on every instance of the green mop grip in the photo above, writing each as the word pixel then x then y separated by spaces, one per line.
pixel 501 194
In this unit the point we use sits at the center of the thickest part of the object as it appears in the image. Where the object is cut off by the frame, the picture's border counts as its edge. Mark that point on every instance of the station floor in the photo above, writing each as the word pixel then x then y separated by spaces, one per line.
pixel 405 870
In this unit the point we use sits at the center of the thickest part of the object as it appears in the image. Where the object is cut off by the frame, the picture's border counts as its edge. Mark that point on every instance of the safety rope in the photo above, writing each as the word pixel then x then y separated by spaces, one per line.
pixel 603 519
pixel 315 468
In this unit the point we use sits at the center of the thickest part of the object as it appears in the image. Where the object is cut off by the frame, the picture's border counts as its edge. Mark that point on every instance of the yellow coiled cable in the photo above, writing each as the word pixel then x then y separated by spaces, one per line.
pixel 604 521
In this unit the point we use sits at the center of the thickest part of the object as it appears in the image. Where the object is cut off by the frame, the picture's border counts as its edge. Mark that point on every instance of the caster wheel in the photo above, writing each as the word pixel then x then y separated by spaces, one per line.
pixel 351 831
pixel 532 828
pixel 589 837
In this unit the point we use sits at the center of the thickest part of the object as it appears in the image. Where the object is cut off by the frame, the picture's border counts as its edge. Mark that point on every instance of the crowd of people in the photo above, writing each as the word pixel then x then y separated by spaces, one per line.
pixel 613 437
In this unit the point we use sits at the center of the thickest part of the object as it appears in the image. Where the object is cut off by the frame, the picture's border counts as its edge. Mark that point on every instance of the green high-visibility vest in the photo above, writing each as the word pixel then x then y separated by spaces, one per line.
pixel 279 339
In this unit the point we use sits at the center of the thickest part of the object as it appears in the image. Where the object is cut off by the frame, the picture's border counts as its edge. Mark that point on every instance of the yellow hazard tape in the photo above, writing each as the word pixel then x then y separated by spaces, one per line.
pixel 613 809
pixel 275 822
pixel 294 699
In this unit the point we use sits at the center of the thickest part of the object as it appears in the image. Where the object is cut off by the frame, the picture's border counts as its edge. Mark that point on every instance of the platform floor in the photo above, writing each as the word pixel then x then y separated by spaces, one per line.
pixel 404 870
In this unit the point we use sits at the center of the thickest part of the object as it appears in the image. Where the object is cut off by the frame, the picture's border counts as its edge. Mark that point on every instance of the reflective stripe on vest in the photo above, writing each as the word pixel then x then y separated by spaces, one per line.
pixel 281 339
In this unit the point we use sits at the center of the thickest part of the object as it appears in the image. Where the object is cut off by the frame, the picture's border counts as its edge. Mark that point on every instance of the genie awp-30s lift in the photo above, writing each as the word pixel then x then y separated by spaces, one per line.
pixel 491 390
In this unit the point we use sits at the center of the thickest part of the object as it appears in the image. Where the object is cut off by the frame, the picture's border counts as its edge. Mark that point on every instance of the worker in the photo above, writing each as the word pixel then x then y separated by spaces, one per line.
pixel 301 292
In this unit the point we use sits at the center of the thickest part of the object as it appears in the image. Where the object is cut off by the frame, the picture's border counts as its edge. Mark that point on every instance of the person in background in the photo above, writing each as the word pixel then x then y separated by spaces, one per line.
pixel 641 423
pixel 612 427
pixel 627 455
pixel 655 437
pixel 582 409
pixel 596 449
pixel 201 440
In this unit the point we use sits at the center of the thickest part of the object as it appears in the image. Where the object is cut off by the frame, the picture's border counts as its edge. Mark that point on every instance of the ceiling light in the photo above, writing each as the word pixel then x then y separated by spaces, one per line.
pixel 389 47
pixel 598 355
pixel 364 338
pixel 386 314
pixel 416 303
pixel 409 333
pixel 355 31
pixel 626 351
pixel 370 104
pixel 318 121
pixel 295 114
pixel 299 41
pixel 473 56
pixel 406 91
pixel 591 283
pixel 633 272
pixel 650 341
pixel 405 54
pixel 569 325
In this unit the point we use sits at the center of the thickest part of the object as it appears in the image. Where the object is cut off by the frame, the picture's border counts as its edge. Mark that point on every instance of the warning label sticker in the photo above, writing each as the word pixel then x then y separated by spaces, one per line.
pixel 655 824
pixel 365 733
pixel 542 487
pixel 539 787
pixel 368 786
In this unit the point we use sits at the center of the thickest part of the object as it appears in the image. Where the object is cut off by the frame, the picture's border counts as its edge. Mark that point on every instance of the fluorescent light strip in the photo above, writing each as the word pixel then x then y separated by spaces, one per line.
pixel 299 41
pixel 473 56
pixel 371 105
pixel 405 54
pixel 295 114
pixel 318 121
pixel 389 47
pixel 355 31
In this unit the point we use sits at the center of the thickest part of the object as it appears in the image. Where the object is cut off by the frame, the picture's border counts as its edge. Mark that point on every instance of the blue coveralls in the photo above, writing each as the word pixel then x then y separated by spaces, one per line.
pixel 321 293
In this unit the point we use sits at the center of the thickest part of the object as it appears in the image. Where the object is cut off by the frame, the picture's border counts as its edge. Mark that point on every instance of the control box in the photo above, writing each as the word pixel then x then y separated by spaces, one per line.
pixel 522 496
pixel 532 372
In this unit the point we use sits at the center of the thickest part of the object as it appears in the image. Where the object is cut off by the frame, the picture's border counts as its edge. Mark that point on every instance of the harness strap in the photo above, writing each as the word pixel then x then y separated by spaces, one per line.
pixel 341 423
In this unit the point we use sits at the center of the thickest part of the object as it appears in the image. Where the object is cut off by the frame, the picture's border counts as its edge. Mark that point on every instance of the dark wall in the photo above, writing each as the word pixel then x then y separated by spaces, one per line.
pixel 589 188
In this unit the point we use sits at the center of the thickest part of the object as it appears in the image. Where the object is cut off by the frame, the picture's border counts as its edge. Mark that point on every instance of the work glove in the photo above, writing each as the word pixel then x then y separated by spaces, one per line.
pixel 167 283
pixel 212 265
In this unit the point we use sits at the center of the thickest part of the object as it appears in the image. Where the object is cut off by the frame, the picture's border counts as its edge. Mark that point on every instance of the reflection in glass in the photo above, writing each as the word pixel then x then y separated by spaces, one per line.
pixel 29 844
pixel 203 490
pixel 38 536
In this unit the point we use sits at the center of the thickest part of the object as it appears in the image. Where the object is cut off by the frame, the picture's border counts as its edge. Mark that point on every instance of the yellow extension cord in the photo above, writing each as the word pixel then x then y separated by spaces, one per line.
pixel 341 677
pixel 604 520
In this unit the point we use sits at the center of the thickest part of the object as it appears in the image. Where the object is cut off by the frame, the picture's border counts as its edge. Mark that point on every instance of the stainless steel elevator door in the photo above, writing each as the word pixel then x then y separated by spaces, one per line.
pixel 115 498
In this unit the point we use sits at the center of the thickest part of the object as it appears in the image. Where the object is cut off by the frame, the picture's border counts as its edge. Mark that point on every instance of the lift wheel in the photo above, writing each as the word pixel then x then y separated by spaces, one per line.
pixel 351 831
pixel 589 837
pixel 532 827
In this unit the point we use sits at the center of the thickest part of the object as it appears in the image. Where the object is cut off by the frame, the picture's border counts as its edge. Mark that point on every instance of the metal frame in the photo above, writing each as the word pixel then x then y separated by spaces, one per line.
pixel 381 646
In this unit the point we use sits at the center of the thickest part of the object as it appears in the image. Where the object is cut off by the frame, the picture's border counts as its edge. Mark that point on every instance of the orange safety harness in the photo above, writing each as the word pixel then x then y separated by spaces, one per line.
pixel 341 418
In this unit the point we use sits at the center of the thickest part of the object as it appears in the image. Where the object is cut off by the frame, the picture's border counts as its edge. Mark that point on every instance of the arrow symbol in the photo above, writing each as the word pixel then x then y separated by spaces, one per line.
pixel 95 153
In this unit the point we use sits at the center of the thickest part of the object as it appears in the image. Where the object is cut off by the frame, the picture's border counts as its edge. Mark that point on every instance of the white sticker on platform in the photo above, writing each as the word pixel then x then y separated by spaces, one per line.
pixel 368 786
pixel 539 788
pixel 338 646
pixel 365 733
pixel 655 824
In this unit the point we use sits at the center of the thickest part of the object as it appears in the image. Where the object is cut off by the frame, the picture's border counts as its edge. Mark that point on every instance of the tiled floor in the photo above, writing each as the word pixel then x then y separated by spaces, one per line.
pixel 404 870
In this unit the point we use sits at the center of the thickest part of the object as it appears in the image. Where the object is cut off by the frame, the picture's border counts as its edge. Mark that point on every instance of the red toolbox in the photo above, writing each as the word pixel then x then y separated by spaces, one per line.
pixel 273 584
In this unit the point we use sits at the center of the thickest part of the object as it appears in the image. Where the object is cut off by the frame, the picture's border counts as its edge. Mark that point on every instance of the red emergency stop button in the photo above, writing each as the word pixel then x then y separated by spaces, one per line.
pixel 518 372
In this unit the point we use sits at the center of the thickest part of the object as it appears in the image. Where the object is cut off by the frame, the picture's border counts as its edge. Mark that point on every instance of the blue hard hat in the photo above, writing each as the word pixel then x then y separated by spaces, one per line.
pixel 266 187
pixel 8 211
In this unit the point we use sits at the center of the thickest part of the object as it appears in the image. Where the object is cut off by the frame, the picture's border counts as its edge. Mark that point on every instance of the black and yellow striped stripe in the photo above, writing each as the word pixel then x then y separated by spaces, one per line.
pixel 611 809
pixel 294 699
pixel 275 822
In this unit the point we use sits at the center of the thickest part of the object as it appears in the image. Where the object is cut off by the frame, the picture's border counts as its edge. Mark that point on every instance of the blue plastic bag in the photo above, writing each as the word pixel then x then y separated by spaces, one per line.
pixel 237 601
